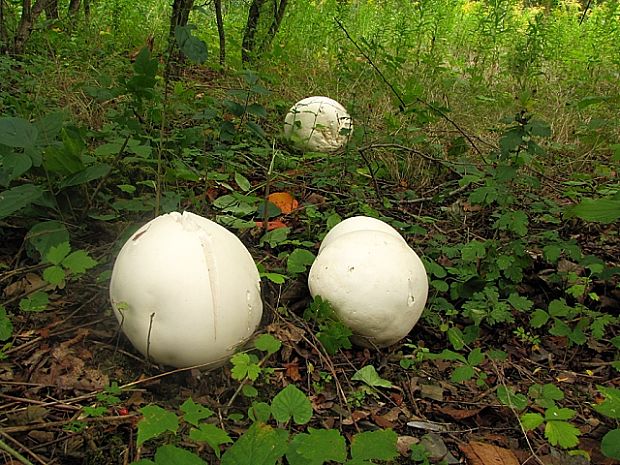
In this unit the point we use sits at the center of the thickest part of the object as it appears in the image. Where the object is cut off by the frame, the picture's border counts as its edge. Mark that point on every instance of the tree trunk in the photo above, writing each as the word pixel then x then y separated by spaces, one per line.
pixel 278 14
pixel 51 10
pixel 220 30
pixel 74 8
pixel 4 36
pixel 87 10
pixel 30 13
pixel 249 36
pixel 180 16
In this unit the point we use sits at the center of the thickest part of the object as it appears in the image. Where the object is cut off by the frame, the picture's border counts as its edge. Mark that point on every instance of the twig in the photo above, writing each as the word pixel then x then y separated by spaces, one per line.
pixel 12 452
pixel 30 452
pixel 403 105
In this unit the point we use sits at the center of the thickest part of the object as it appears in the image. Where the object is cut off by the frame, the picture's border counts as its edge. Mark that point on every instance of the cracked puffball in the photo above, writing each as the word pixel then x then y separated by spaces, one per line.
pixel 374 281
pixel 318 124
pixel 186 291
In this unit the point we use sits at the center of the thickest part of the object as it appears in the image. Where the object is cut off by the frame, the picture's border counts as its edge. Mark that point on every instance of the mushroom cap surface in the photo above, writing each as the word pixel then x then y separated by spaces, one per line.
pixel 186 291
pixel 318 124
pixel 355 224
pixel 375 282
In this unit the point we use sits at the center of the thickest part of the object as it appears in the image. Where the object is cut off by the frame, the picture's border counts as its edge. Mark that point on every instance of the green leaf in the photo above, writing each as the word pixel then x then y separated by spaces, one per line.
pixel 249 391
pixel 78 262
pixel 539 318
pixel 603 210
pixel 267 343
pixel 18 197
pixel 333 336
pixel 194 48
pixel 17 132
pixel 260 445
pixel 90 173
pixel 244 366
pixel 291 402
pixel 515 221
pixel 473 250
pixel 35 302
pixel 476 357
pixel 610 445
pixel 212 435
pixel 6 327
pixel 369 375
pixel 56 254
pixel 42 236
pixel 374 445
pixel 562 433
pixel 556 413
pixel 455 336
pixel 462 373
pixel 259 412
pixel 531 421
pixel 13 166
pixel 194 412
pixel 508 397
pixel 317 447
pixel 519 302
pixel 172 455
pixel 242 182
pixel 299 260
pixel 54 275
pixel 610 407
pixel 155 422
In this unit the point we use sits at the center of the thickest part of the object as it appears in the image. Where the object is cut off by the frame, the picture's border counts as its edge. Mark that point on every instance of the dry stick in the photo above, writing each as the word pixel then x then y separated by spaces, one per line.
pixel 12 452
pixel 397 94
pixel 30 452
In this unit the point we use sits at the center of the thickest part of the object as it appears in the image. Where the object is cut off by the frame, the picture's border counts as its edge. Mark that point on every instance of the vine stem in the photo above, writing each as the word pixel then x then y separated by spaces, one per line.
pixel 12 452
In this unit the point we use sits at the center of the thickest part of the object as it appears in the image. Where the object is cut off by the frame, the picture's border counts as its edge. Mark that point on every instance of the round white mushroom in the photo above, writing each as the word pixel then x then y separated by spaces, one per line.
pixel 375 283
pixel 355 224
pixel 318 124
pixel 186 291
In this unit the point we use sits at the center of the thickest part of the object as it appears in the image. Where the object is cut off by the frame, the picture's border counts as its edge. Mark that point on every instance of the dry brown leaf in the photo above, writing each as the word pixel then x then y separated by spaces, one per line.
pixel 459 414
pixel 480 453
pixel 271 225
pixel 404 443
pixel 284 201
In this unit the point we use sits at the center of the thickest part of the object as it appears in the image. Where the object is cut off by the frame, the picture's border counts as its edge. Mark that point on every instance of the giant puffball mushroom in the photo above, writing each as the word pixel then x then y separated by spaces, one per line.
pixel 374 281
pixel 318 124
pixel 186 291
pixel 358 223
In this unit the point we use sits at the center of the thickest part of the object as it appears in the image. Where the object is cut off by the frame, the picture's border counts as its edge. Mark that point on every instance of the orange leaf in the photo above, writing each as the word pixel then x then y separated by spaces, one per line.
pixel 284 201
pixel 271 225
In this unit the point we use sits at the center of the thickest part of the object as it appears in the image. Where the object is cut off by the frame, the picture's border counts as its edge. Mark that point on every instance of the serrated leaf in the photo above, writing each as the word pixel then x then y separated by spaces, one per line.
pixel 56 254
pixel 610 407
pixel 562 433
pixel 46 234
pixel 519 302
pixel 333 336
pixel 552 392
pixel 556 413
pixel 155 422
pixel 35 302
pixel 369 375
pixel 299 260
pixel 476 357
pixel 610 445
pixel 508 397
pixel 243 366
pixel 462 373
pixel 531 421
pixel 291 402
pixel 260 445
pixel 212 435
pixel 374 445
pixel 54 275
pixel 267 343
pixel 172 455
pixel 317 447
pixel 193 412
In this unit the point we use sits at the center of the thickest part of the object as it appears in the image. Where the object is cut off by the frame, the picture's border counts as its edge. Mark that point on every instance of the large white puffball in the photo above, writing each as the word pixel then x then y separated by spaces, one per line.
pixel 318 124
pixel 358 223
pixel 186 291
pixel 375 283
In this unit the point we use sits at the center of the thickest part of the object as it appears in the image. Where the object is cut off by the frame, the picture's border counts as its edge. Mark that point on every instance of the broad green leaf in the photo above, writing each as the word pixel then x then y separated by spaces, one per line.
pixel 531 421
pixel 610 445
pixel 447 354
pixel 552 253
pixel 172 455
pixel 259 411
pixel 317 447
pixel 539 318
pixel 556 413
pixel 299 260
pixel 291 402
pixel 610 407
pixel 275 278
pixel 244 366
pixel 6 327
pixel 78 262
pixel 374 445
pixel 473 250
pixel 13 166
pixel 212 435
pixel 604 210
pixel 242 182
pixel 476 357
pixel 18 197
pixel 17 132
pixel 508 397
pixel 267 343
pixel 455 336
pixel 90 173
pixel 57 253
pixel 193 412
pixel 35 302
pixel 260 445
pixel 155 422
pixel 194 48
pixel 462 373
pixel 49 127
pixel 249 391
pixel 369 375
pixel 42 236
pixel 54 275
pixel 562 433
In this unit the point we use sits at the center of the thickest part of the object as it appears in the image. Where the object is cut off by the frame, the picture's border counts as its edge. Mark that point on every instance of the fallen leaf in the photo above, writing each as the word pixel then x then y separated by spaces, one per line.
pixel 404 443
pixel 284 201
pixel 271 225
pixel 480 453
pixel 459 414
pixel 292 370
